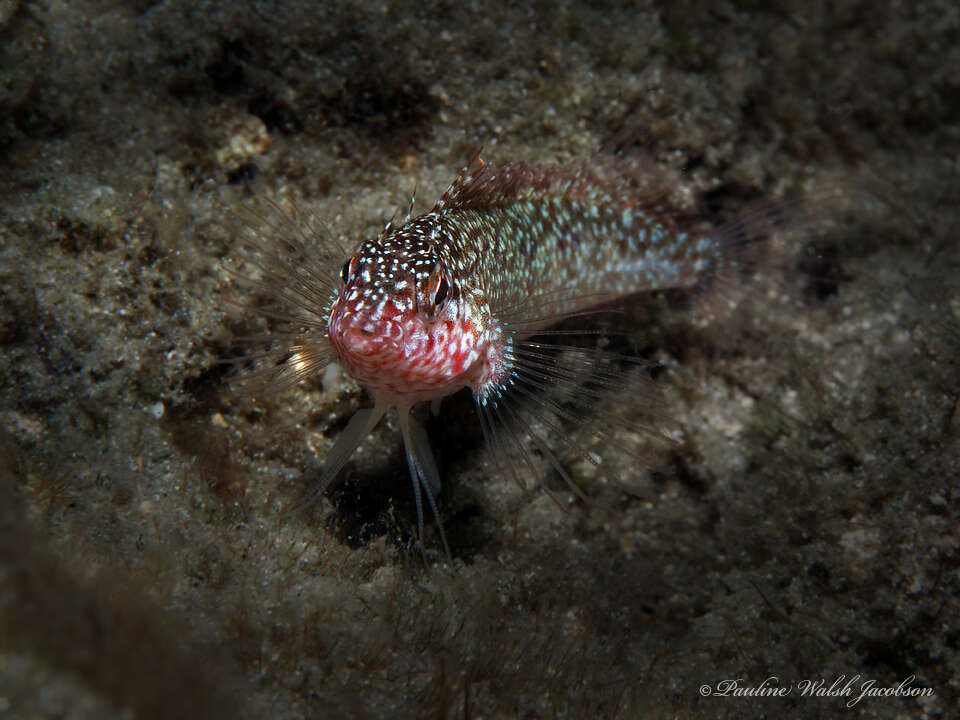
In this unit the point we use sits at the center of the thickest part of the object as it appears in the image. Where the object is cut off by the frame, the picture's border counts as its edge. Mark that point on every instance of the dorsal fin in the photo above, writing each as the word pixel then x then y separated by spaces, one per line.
pixel 451 195
pixel 480 186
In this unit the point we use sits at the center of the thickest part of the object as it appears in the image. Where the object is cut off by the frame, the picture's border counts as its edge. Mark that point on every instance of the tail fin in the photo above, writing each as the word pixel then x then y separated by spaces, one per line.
pixel 762 247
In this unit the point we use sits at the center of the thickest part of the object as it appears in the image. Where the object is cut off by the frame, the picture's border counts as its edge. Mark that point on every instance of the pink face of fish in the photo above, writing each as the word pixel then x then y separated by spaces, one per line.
pixel 402 326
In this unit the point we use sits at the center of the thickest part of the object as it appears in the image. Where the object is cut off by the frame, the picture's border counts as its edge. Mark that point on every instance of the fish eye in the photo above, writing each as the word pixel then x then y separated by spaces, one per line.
pixel 349 269
pixel 442 289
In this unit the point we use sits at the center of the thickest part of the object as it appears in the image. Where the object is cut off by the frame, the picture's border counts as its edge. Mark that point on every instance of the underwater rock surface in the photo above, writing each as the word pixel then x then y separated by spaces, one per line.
pixel 804 526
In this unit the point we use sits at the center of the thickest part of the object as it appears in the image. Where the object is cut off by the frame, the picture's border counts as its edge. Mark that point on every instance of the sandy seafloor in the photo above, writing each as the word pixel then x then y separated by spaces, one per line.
pixel 803 526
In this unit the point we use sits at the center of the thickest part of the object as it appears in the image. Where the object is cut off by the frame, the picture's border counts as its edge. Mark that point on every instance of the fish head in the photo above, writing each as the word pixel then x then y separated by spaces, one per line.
pixel 404 324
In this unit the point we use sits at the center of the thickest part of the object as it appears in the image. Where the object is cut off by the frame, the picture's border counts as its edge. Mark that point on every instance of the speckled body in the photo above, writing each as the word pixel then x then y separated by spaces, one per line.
pixel 512 245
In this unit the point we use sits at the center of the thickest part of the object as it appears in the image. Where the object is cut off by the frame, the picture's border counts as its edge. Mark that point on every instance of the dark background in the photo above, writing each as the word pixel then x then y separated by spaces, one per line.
pixel 804 526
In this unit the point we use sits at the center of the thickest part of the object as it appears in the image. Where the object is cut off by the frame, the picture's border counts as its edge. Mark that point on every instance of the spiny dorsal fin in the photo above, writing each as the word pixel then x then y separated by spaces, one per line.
pixel 450 196
pixel 481 186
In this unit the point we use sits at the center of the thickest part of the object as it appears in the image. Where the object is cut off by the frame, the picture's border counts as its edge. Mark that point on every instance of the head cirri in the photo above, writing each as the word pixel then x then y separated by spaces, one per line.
pixel 404 325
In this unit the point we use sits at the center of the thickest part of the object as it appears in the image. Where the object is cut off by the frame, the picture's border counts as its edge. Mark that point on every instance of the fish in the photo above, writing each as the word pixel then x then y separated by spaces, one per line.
pixel 473 295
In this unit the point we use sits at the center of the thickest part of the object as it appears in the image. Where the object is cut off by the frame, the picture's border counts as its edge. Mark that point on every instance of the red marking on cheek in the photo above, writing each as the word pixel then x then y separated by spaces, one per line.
pixel 389 311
